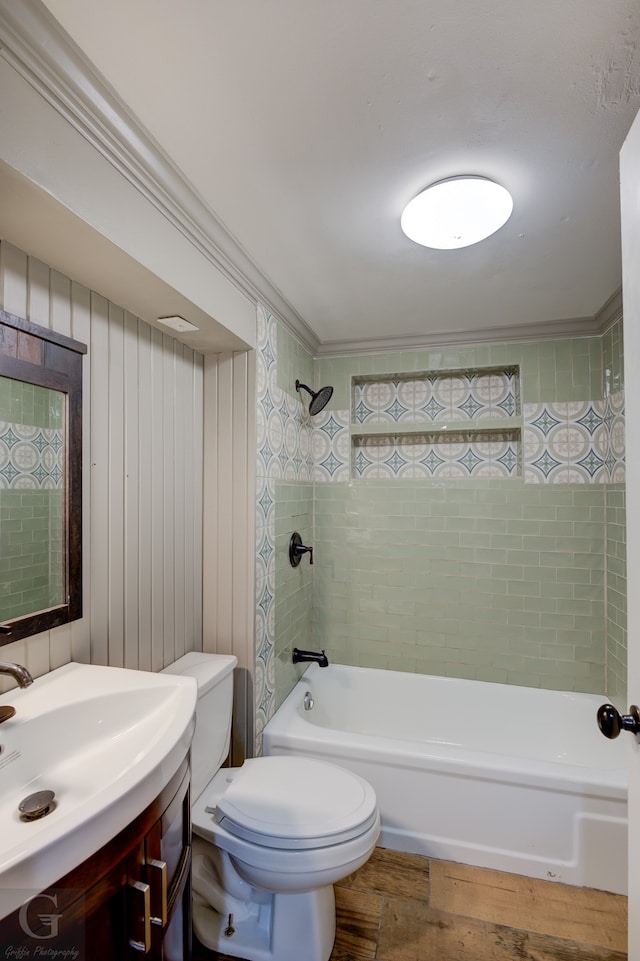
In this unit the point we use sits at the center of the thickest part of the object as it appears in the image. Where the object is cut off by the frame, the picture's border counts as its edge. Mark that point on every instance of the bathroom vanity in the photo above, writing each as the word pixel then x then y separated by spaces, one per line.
pixel 129 900
pixel 101 868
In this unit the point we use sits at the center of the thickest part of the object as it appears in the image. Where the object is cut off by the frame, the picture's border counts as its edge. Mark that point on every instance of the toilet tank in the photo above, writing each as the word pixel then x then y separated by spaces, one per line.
pixel 210 746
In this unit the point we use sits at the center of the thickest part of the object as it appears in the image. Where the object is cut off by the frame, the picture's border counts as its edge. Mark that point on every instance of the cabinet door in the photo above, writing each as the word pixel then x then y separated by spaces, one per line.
pixel 65 921
pixel 159 885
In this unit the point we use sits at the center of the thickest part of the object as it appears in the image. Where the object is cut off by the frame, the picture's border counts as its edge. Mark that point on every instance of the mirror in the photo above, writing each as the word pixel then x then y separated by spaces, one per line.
pixel 40 479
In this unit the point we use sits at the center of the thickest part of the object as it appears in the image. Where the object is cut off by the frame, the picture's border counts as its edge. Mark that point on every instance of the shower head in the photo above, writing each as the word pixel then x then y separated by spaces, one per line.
pixel 319 399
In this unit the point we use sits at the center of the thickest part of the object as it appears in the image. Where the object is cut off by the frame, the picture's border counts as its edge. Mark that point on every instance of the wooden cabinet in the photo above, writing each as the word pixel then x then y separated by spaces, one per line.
pixel 130 900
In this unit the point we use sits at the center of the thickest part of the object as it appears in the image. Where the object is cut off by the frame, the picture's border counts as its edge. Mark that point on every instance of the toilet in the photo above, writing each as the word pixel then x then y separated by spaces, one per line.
pixel 270 838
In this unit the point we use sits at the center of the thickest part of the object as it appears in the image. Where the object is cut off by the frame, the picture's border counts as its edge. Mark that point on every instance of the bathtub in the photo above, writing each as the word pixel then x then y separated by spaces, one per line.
pixel 512 778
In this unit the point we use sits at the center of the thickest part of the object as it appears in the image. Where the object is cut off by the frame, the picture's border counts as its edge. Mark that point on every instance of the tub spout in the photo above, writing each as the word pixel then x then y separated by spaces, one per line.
pixel 299 656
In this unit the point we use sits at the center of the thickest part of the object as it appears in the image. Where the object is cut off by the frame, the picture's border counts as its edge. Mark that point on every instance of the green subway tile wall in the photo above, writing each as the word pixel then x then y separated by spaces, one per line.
pixel 553 371
pixel 31 559
pixel 494 579
pixel 294 362
pixel 294 585
pixel 474 579
pixel 31 498
pixel 615 519
pixel 616 594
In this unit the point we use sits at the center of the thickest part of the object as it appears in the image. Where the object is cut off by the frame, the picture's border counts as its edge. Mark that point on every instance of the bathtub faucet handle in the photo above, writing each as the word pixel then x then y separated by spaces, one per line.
pixel 611 722
pixel 298 657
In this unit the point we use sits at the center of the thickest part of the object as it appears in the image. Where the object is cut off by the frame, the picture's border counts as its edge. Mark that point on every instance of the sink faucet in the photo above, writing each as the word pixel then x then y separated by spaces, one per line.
pixel 19 673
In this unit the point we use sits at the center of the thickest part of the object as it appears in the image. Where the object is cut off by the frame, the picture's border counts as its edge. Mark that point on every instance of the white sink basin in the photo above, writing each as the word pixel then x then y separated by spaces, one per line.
pixel 106 741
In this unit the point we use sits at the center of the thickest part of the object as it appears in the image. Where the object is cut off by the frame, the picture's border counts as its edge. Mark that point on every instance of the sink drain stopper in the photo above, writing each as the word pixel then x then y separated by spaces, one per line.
pixel 36 805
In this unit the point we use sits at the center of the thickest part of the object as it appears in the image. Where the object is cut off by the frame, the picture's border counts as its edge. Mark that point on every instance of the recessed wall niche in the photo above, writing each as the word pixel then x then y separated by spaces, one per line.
pixel 430 424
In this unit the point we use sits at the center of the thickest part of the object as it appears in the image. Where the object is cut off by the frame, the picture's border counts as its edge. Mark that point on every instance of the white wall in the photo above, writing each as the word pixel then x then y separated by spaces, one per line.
pixel 142 479
pixel 229 526
pixel 630 207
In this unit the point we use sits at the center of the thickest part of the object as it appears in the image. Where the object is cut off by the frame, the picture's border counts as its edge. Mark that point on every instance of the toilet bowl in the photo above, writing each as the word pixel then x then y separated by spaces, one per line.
pixel 269 838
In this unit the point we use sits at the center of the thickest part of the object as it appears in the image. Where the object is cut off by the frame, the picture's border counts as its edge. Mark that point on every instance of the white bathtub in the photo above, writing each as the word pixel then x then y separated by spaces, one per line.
pixel 511 778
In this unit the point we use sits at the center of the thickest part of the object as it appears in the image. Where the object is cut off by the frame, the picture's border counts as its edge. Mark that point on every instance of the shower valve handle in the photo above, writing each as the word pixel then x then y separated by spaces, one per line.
pixel 297 549
pixel 611 722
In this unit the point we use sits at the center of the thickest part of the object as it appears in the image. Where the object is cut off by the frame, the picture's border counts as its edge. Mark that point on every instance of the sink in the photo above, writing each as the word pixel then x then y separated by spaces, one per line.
pixel 106 741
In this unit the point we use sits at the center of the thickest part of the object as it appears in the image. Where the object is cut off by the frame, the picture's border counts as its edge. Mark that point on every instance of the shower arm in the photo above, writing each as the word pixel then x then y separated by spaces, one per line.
pixel 319 398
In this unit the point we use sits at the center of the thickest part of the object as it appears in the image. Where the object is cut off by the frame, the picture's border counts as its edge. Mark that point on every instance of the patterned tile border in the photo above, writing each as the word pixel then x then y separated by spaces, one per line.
pixel 331 447
pixel 31 458
pixel 574 443
pixel 491 455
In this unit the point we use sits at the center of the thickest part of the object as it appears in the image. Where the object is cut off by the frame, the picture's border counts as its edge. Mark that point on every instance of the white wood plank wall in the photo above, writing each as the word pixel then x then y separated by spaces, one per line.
pixel 142 479
pixel 229 529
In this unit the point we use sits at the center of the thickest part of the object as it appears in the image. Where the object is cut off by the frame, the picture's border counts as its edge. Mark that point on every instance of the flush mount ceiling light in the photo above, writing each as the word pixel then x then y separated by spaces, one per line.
pixel 456 212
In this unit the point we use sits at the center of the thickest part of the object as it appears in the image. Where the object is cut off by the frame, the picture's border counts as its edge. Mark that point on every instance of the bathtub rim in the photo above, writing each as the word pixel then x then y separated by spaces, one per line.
pixel 289 723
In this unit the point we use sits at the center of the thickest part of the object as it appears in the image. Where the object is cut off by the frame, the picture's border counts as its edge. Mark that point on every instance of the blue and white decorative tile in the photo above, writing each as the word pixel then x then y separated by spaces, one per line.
pixel 539 419
pixel 261 428
pixel 320 448
pixel 270 426
pixel 330 447
pixel 292 438
pixel 303 439
pixel 259 692
pixel 451 392
pixel 493 454
pixel 31 458
pixel 615 455
pixel 433 398
pixel 432 462
pixel 496 393
pixel 262 383
pixel 275 431
pixel 370 455
pixel 565 443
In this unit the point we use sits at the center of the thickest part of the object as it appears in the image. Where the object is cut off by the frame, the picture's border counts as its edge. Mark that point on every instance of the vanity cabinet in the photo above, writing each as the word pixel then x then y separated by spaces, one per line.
pixel 130 900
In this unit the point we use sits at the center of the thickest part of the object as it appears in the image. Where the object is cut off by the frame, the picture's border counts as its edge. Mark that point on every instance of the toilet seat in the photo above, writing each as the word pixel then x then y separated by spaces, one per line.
pixel 295 803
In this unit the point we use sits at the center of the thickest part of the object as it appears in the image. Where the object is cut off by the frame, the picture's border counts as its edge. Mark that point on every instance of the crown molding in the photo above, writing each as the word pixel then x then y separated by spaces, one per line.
pixel 37 47
pixel 545 330
pixel 610 312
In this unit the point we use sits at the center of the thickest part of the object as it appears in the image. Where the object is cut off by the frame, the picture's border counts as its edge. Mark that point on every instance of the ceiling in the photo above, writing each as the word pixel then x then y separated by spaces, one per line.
pixel 307 125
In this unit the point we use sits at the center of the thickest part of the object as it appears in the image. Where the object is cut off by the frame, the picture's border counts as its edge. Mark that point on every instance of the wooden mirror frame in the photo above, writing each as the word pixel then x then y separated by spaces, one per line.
pixel 36 355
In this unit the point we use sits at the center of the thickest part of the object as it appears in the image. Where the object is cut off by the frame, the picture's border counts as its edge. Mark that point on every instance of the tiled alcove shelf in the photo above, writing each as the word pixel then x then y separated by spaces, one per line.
pixel 455 424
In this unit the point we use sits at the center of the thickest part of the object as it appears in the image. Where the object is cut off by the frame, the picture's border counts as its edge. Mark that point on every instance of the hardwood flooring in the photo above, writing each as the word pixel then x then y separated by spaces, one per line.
pixel 404 907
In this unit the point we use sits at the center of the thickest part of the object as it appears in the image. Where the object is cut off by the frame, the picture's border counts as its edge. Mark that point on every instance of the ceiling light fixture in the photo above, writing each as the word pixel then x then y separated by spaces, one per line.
pixel 456 212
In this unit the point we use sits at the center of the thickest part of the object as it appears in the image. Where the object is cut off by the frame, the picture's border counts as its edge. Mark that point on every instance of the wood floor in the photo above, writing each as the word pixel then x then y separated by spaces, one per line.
pixel 404 907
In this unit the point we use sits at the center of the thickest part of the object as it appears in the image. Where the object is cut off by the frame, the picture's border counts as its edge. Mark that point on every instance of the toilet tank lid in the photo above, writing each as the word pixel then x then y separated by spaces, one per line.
pixel 208 669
